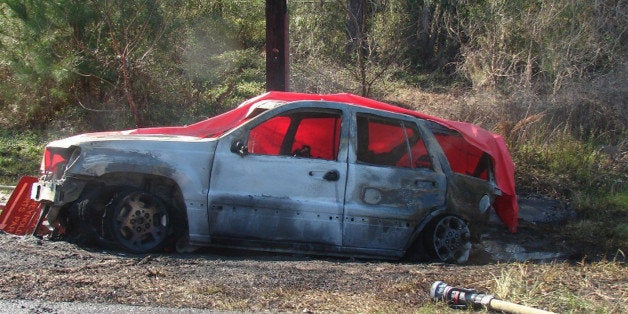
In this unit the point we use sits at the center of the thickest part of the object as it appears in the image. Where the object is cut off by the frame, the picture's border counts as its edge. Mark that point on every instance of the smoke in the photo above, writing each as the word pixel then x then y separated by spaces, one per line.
pixel 202 47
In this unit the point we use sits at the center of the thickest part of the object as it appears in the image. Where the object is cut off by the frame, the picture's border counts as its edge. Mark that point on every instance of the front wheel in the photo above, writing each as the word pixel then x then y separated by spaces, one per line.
pixel 140 222
pixel 449 240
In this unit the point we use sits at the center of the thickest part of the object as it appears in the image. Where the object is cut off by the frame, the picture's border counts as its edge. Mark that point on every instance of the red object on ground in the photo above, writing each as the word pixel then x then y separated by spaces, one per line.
pixel 21 213
pixel 492 144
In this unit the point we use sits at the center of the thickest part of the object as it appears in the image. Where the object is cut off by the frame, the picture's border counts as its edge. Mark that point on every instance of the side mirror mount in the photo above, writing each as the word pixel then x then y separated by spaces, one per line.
pixel 239 148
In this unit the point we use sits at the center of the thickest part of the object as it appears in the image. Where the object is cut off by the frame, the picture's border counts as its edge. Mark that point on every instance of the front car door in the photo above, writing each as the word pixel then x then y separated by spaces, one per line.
pixel 393 182
pixel 279 181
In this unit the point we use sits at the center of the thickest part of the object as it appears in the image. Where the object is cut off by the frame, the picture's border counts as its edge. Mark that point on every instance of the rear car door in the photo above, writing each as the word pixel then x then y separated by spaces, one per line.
pixel 393 181
pixel 281 179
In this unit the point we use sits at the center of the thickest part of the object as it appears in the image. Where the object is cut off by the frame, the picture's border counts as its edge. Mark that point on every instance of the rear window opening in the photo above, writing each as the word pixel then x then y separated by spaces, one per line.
pixel 390 142
pixel 463 157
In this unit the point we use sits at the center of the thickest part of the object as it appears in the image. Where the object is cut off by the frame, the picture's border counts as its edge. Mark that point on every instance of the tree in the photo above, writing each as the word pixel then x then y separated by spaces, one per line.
pixel 540 44
pixel 128 63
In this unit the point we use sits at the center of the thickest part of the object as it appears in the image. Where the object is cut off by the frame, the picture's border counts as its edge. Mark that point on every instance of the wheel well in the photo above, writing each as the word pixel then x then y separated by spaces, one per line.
pixel 84 223
pixel 163 187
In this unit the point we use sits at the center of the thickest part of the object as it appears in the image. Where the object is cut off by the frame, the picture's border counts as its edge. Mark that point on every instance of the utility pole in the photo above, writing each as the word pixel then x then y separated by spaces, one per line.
pixel 277 54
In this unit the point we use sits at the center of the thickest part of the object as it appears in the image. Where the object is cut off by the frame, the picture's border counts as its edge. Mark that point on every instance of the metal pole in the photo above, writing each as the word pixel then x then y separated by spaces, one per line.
pixel 277 54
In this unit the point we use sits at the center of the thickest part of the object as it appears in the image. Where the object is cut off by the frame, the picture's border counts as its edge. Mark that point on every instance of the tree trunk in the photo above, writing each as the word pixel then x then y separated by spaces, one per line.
pixel 277 55
pixel 355 24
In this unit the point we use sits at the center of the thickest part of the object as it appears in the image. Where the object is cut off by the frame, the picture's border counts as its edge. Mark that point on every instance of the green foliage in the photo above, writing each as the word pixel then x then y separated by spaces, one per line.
pixel 588 174
pixel 20 155
pixel 562 166
pixel 120 64
pixel 317 30
pixel 35 82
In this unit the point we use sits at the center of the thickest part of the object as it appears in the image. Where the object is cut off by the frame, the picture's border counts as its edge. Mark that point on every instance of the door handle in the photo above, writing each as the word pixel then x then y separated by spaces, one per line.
pixel 425 184
pixel 332 175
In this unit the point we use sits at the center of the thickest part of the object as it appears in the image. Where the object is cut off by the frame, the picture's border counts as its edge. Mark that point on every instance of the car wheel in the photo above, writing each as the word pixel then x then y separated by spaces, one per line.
pixel 449 240
pixel 87 217
pixel 140 222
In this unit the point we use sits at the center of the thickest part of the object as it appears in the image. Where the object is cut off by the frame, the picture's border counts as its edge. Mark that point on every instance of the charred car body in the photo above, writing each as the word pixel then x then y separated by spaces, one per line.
pixel 326 174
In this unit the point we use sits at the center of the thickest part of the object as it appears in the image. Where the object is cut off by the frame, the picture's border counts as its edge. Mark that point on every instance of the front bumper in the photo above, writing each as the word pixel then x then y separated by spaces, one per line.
pixel 45 191
pixel 57 192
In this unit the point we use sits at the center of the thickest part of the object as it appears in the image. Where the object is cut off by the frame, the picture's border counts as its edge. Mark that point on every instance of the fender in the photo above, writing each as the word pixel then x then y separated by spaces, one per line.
pixel 100 160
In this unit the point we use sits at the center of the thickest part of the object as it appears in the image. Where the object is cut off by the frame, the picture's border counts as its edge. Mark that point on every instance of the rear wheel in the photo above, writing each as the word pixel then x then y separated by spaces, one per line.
pixel 449 239
pixel 139 221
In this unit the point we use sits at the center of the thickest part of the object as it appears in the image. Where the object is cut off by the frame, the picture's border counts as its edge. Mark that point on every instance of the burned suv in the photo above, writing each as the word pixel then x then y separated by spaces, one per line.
pixel 323 174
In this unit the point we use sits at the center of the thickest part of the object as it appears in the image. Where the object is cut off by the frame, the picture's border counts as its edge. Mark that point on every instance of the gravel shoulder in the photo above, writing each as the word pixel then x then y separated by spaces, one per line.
pixel 37 306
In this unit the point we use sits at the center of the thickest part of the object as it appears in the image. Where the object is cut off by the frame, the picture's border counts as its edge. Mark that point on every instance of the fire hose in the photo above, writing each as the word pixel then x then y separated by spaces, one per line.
pixel 468 298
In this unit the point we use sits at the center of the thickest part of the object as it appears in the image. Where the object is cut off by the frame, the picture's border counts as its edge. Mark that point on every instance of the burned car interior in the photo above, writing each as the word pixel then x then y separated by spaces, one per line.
pixel 334 174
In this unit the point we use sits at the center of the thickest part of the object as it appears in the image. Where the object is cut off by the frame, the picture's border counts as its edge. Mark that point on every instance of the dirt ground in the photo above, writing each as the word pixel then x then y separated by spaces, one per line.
pixel 59 271
pixel 34 269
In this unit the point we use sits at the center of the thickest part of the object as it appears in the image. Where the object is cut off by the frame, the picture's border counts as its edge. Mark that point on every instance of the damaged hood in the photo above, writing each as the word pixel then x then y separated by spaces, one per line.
pixel 111 136
pixel 492 144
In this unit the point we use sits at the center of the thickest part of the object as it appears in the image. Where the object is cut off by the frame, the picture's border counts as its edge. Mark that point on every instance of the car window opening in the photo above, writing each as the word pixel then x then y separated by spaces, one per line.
pixel 298 134
pixel 390 142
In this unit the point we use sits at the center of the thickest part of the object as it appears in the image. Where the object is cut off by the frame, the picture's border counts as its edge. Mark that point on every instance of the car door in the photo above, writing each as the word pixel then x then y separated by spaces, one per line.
pixel 393 182
pixel 281 179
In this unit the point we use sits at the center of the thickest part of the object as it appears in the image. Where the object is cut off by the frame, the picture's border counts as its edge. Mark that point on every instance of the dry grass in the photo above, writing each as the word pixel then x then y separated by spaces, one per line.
pixel 597 287
pixel 436 104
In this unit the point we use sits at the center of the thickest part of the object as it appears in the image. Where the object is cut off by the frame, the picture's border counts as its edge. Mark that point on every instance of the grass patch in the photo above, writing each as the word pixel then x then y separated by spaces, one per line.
pixel 588 174
pixel 563 287
pixel 20 155
pixel 562 166
pixel 602 227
